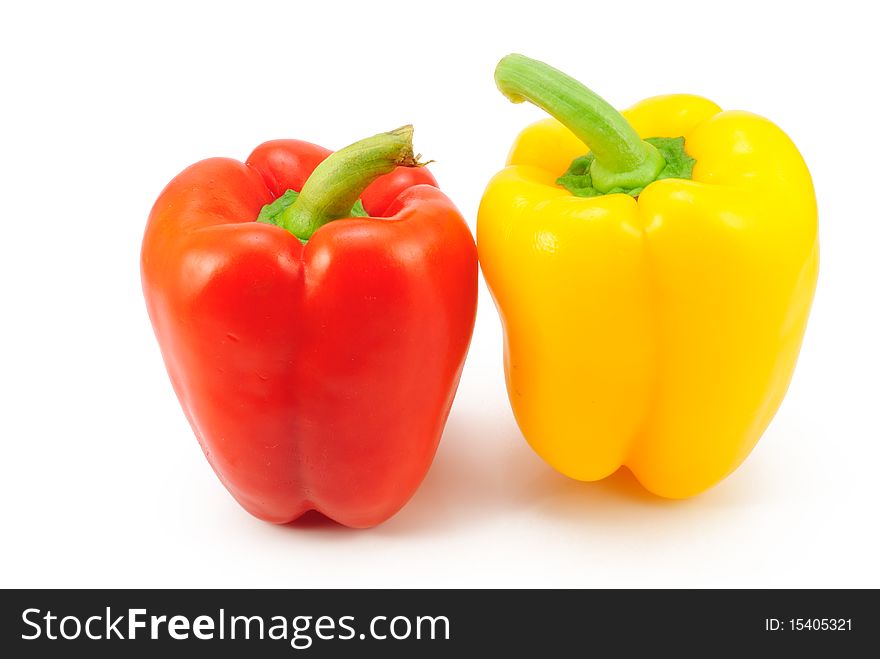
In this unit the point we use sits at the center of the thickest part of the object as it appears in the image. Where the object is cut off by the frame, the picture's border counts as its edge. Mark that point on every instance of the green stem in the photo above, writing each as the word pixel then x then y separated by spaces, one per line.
pixel 622 158
pixel 337 183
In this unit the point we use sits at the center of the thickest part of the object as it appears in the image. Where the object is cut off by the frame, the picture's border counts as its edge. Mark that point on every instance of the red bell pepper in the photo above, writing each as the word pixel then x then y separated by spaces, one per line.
pixel 316 360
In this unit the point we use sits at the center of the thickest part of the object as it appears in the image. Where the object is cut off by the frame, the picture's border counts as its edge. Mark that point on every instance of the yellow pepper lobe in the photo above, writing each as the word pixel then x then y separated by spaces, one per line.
pixel 659 333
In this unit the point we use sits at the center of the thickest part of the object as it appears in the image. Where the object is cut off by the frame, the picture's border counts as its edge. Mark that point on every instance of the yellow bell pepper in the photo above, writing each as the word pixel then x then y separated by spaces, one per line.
pixel 655 322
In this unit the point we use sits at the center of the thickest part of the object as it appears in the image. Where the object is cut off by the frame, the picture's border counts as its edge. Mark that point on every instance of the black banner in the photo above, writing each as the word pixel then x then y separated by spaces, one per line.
pixel 432 623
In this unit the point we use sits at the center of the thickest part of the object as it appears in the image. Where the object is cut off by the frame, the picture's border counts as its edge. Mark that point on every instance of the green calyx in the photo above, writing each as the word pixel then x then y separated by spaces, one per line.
pixel 619 160
pixel 272 213
pixel 578 179
pixel 332 191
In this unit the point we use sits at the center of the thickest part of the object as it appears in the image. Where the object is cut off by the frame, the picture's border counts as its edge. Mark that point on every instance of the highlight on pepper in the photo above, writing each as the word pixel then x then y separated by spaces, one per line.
pixel 314 311
pixel 653 270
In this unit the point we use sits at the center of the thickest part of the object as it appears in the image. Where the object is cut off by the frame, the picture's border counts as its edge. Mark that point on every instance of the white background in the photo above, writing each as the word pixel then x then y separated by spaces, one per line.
pixel 103 483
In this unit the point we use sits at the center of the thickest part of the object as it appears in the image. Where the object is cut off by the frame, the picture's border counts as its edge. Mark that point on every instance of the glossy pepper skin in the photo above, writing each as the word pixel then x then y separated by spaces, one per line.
pixel 317 375
pixel 657 332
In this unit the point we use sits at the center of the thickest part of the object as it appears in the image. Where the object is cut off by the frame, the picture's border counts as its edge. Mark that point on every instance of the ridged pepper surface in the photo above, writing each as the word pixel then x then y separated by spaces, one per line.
pixel 653 292
pixel 315 350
